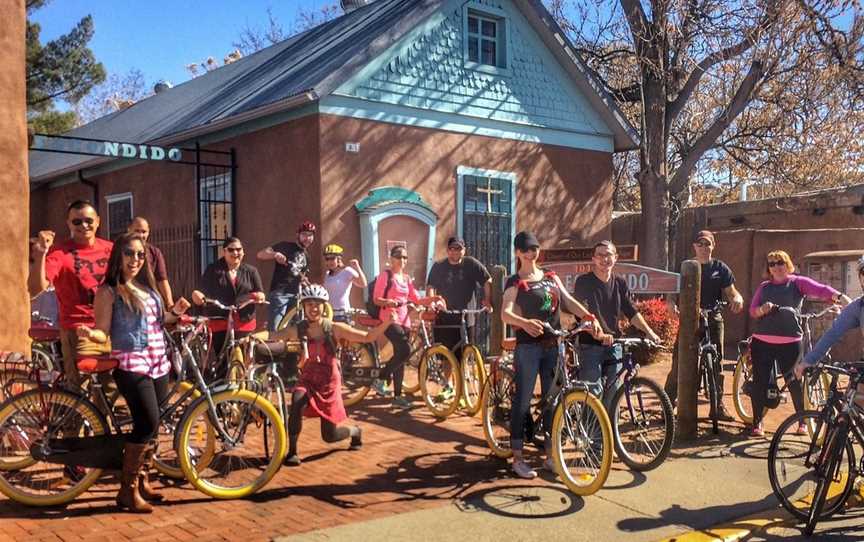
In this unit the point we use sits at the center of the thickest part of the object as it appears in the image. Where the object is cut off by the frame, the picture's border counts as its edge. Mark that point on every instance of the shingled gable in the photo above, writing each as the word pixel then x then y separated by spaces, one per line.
pixel 297 72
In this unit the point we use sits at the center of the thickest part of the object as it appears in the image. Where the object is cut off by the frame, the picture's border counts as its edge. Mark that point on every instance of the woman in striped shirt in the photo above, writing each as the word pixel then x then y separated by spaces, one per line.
pixel 133 316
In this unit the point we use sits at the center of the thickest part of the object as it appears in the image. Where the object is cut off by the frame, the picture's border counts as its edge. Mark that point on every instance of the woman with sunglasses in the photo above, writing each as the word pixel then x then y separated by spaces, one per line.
pixel 133 316
pixel 230 281
pixel 392 291
pixel 339 278
pixel 532 300
pixel 777 336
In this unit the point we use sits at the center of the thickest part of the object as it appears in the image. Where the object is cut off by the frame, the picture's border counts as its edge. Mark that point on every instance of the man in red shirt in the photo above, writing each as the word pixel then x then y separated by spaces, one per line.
pixel 76 267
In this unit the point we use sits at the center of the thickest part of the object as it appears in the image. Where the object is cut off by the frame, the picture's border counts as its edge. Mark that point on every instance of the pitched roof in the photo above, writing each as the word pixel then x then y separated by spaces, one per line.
pixel 294 72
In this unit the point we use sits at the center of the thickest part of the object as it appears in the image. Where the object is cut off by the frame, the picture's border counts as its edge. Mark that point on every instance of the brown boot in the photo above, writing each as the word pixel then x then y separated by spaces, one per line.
pixel 144 487
pixel 128 497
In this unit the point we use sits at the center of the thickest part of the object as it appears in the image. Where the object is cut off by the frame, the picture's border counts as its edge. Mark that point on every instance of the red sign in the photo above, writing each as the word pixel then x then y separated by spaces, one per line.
pixel 626 253
pixel 640 279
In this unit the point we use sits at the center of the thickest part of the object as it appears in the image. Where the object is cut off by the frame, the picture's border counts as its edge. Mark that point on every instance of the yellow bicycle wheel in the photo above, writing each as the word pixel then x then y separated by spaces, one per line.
pixel 411 380
pixel 23 422
pixel 440 381
pixel 473 377
pixel 496 406
pixel 203 439
pixel 743 377
pixel 352 357
pixel 247 456
pixel 582 442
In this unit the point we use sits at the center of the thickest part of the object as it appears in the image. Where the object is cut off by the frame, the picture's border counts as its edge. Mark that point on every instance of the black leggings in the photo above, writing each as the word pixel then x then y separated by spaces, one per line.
pixel 143 396
pixel 398 337
pixel 763 356
pixel 330 432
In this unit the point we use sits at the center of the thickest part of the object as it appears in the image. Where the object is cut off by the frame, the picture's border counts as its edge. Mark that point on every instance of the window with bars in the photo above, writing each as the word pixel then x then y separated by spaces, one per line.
pixel 486 40
pixel 119 214
pixel 216 207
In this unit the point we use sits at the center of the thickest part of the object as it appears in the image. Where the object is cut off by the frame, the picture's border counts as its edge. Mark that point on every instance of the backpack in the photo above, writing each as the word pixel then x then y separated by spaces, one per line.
pixel 327 327
pixel 372 309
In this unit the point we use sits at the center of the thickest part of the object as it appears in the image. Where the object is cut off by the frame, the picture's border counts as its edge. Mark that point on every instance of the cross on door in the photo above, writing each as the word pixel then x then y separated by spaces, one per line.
pixel 488 191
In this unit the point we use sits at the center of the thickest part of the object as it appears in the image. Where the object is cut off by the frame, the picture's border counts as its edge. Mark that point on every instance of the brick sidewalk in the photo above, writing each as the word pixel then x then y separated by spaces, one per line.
pixel 409 461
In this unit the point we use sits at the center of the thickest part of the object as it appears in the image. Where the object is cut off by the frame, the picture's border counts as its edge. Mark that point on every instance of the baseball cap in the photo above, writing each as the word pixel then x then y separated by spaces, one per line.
pixel 525 240
pixel 704 234
pixel 455 241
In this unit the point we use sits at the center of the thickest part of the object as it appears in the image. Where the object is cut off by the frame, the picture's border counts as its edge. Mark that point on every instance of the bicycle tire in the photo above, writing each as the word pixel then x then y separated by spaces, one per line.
pixel 742 376
pixel 713 395
pixel 274 391
pixel 473 376
pixel 355 356
pixel 836 438
pixel 495 410
pixel 15 474
pixel 816 388
pixel 439 371
pixel 585 429
pixel 411 380
pixel 646 408
pixel 232 419
pixel 791 480
pixel 165 459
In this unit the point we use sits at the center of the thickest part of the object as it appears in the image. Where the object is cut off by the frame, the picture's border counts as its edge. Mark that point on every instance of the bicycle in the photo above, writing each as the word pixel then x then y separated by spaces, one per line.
pixel 230 359
pixel 55 442
pixel 643 426
pixel 581 434
pixel 813 475
pixel 814 387
pixel 710 365
pixel 439 366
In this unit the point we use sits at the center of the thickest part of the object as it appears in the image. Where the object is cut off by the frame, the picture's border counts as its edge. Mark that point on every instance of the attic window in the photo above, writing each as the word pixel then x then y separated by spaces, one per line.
pixel 485 39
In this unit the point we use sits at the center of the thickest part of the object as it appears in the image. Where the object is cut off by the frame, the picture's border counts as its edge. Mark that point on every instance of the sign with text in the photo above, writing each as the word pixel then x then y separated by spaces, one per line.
pixel 626 253
pixel 640 279
pixel 114 149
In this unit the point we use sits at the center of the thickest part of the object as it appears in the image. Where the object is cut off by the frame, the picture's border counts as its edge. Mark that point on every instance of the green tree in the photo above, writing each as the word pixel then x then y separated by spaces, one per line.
pixel 62 69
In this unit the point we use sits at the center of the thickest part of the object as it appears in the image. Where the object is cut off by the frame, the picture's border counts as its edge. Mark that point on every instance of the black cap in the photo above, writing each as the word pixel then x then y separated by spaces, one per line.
pixel 455 241
pixel 525 240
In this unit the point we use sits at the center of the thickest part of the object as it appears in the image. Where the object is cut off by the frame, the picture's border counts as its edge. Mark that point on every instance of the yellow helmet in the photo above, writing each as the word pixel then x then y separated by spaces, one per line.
pixel 333 249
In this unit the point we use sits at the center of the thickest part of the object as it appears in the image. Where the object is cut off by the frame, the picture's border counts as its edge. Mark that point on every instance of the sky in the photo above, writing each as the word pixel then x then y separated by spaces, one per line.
pixel 160 37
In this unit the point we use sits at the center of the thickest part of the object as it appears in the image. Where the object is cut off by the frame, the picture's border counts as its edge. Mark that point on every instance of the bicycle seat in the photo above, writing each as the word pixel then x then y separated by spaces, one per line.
pixel 44 334
pixel 367 321
pixel 96 364
pixel 508 343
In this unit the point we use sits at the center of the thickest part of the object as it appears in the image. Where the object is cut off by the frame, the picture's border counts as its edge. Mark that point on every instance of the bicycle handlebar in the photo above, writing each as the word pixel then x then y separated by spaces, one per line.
pixel 219 305
pixel 638 341
pixel 833 309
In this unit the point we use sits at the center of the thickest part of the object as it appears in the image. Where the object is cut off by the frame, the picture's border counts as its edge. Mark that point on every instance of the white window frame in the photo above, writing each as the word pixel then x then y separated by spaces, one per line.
pixel 502 38
pixel 114 198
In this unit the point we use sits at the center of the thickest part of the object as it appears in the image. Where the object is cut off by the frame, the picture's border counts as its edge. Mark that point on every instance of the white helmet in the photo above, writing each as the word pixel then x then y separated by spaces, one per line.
pixel 315 291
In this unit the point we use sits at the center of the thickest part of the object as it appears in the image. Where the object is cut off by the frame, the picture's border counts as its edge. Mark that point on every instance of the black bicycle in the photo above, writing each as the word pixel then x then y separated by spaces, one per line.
pixel 710 364
pixel 643 424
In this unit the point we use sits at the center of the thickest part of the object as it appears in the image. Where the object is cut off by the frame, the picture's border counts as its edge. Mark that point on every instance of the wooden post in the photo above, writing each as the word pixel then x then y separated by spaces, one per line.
pixel 688 374
pixel 496 326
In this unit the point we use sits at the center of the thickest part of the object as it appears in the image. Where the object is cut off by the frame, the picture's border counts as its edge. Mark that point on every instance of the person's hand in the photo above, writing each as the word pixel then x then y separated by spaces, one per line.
pixel 43 241
pixel 737 304
pixel 354 263
pixel 606 339
pixel 198 297
pixel 280 258
pixel 181 306
pixel 533 327
pixel 653 337
pixel 393 318
pixel 258 297
pixel 85 332
pixel 488 306
pixel 799 370
pixel 766 307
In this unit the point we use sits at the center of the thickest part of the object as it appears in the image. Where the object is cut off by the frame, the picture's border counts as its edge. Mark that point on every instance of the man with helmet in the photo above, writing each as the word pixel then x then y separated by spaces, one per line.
pixel 338 279
pixel 292 266
pixel 318 392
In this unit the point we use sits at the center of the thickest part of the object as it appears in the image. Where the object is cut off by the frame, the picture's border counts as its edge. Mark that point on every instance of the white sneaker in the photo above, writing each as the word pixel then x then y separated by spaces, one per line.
pixel 522 470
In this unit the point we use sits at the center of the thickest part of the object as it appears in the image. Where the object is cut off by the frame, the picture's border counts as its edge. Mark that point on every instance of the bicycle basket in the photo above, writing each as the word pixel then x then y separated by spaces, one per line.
pixel 18 374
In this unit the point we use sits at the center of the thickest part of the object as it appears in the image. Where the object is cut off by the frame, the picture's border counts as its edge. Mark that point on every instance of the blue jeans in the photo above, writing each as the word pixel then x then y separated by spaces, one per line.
pixel 599 366
pixel 280 303
pixel 530 359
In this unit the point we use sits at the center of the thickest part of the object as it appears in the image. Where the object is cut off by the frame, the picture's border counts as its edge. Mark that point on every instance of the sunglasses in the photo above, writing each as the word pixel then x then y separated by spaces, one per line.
pixel 136 254
pixel 403 257
pixel 703 243
pixel 78 221
pixel 777 263
pixel 456 247
pixel 235 250
pixel 330 258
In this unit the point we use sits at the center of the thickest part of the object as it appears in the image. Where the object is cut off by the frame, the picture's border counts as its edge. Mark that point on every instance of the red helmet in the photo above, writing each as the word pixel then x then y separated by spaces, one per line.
pixel 306 226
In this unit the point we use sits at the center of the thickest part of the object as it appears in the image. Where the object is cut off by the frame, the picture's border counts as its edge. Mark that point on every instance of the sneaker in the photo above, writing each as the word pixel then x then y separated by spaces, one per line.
pixel 549 465
pixel 356 440
pixel 292 460
pixel 400 402
pixel 801 429
pixel 757 431
pixel 380 387
pixel 522 470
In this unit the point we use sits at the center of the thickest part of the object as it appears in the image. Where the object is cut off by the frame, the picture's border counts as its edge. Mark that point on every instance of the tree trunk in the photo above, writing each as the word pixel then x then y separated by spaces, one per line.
pixel 653 247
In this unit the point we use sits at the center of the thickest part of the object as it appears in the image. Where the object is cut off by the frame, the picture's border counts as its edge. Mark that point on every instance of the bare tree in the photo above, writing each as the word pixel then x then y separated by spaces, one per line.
pixel 116 93
pixel 255 38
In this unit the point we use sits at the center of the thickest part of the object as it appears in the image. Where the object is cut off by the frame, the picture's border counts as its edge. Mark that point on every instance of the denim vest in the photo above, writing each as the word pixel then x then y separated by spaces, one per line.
pixel 128 327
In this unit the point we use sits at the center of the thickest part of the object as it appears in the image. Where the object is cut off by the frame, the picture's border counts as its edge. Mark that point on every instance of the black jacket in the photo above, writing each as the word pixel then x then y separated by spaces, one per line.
pixel 216 285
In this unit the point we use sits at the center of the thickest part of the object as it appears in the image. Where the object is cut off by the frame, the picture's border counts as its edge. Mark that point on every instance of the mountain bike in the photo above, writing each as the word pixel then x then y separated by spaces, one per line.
pixel 441 388
pixel 814 474
pixel 643 424
pixel 55 442
pixel 710 364
pixel 581 434
pixel 815 385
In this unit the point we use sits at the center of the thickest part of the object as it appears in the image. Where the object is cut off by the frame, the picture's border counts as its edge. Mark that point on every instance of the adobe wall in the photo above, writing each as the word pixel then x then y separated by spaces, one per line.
pixel 15 316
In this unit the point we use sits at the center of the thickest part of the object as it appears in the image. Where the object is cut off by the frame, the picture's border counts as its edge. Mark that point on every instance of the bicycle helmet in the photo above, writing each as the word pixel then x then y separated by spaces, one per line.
pixel 333 250
pixel 307 226
pixel 316 292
